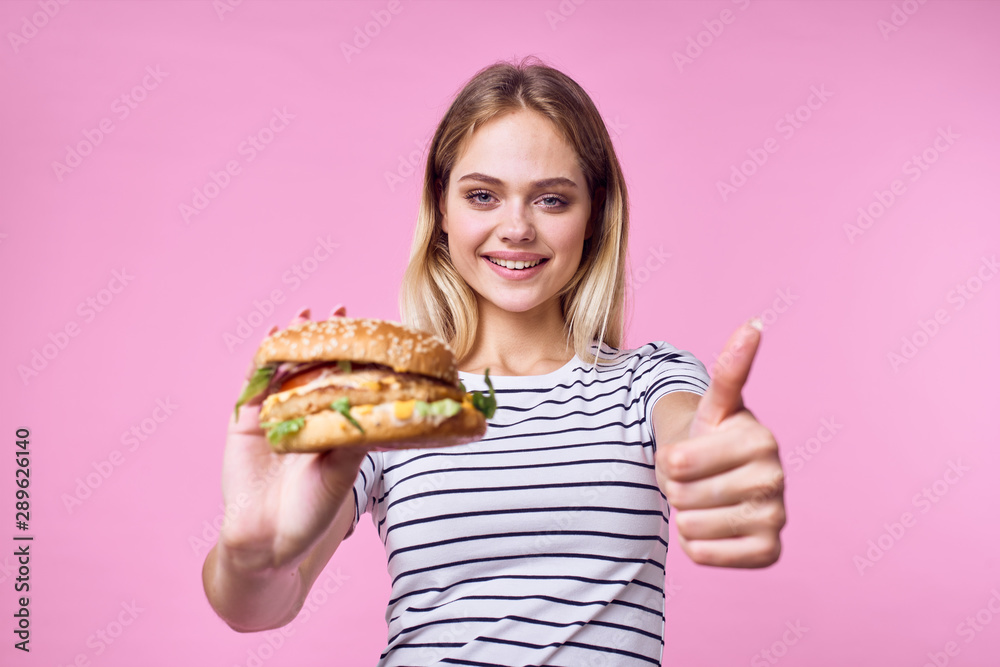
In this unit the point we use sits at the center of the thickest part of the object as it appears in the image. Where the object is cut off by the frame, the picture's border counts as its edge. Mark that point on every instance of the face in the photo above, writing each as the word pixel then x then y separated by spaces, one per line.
pixel 516 213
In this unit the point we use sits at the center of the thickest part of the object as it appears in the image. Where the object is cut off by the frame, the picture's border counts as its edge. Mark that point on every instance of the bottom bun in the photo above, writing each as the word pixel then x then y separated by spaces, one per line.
pixel 329 429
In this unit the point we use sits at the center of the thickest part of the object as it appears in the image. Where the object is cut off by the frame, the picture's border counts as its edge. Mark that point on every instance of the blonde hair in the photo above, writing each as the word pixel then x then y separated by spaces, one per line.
pixel 435 298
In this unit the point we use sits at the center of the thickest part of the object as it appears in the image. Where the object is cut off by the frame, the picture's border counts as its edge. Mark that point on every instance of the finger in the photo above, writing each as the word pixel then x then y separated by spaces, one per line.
pixel 741 439
pixel 339 311
pixel 303 316
pixel 246 421
pixel 750 551
pixel 747 518
pixel 724 396
pixel 756 481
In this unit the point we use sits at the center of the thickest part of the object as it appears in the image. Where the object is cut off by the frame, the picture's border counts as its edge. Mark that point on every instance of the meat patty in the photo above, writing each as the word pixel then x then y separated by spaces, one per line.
pixel 364 387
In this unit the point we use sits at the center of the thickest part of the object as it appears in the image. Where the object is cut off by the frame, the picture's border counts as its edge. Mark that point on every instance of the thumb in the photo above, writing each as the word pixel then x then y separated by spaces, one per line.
pixel 725 391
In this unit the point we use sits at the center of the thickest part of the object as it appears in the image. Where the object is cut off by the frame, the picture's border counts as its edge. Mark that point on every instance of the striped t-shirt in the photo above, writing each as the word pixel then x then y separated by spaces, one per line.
pixel 544 543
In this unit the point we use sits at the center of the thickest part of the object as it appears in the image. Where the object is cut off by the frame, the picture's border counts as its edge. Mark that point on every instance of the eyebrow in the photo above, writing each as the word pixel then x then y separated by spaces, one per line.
pixel 544 183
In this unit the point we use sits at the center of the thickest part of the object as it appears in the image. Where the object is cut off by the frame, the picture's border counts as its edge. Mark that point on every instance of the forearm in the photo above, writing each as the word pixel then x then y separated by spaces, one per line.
pixel 251 601
pixel 673 415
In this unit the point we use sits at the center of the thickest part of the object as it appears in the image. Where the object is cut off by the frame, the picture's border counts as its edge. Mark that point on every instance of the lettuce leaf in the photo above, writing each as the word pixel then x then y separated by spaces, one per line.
pixel 278 430
pixel 343 406
pixel 446 407
pixel 485 404
pixel 257 383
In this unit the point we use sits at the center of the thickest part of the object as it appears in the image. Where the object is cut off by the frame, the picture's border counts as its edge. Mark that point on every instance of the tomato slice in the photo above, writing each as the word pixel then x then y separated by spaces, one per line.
pixel 333 368
pixel 305 378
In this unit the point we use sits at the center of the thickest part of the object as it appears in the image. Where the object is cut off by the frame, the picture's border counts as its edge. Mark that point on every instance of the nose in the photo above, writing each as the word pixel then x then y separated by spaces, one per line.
pixel 516 227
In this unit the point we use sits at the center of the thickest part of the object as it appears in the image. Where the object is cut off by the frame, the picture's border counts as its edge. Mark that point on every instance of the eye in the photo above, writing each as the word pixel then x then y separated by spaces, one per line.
pixel 473 197
pixel 559 201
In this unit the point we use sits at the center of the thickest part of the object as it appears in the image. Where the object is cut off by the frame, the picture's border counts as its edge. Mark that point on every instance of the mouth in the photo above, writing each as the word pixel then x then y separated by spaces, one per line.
pixel 517 265
pixel 516 270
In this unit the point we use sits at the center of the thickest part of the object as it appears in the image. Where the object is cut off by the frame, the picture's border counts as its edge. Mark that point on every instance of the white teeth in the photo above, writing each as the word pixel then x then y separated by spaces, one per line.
pixel 511 264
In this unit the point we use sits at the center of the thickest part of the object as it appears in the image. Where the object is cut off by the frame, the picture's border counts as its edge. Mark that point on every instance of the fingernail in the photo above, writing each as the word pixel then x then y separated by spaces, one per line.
pixel 272 330
pixel 756 323
pixel 338 311
pixel 303 314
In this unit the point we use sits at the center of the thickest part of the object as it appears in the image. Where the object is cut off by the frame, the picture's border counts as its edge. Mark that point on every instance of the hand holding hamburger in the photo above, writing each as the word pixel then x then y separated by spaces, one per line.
pixel 288 507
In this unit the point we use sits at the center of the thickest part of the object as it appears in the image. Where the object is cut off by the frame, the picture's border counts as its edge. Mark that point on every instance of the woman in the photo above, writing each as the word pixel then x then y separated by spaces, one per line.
pixel 545 542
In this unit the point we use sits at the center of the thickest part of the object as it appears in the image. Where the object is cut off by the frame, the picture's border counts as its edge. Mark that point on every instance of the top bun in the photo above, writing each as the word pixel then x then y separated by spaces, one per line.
pixel 402 348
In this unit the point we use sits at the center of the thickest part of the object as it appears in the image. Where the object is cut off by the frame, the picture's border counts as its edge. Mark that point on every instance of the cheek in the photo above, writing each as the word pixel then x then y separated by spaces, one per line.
pixel 466 235
pixel 569 239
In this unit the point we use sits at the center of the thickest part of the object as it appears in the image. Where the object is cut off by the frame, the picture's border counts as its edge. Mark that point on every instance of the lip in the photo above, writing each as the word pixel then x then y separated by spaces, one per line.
pixel 514 274
pixel 514 256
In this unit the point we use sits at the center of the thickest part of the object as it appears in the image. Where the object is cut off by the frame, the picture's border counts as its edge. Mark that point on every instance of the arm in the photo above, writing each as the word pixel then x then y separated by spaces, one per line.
pixel 250 597
pixel 672 417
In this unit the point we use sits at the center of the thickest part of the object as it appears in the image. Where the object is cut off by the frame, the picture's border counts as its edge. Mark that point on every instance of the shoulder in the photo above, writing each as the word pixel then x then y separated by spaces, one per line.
pixel 645 355
pixel 659 364
pixel 645 366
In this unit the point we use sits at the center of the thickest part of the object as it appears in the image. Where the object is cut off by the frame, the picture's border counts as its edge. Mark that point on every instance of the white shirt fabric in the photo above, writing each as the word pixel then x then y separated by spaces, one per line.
pixel 544 543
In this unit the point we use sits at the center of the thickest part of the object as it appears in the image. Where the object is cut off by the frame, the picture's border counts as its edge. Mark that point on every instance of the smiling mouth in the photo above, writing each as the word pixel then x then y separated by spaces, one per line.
pixel 516 265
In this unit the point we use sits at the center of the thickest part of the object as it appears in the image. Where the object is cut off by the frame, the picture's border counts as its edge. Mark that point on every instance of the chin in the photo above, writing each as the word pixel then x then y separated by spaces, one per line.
pixel 515 305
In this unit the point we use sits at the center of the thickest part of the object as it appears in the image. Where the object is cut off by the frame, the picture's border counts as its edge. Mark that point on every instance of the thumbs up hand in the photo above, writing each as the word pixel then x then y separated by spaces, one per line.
pixel 724 480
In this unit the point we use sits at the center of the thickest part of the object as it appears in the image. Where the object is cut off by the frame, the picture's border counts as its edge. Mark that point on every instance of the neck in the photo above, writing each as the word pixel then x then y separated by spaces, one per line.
pixel 529 343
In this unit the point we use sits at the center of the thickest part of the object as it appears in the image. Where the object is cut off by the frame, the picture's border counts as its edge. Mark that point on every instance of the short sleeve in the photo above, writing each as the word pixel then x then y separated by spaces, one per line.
pixel 668 370
pixel 367 486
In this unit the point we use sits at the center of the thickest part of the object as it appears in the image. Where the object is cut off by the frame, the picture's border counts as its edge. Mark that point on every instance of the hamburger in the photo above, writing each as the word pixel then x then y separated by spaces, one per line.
pixel 348 382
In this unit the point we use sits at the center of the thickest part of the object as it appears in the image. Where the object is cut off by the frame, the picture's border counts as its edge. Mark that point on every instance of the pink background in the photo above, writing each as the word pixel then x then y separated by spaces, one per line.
pixel 777 242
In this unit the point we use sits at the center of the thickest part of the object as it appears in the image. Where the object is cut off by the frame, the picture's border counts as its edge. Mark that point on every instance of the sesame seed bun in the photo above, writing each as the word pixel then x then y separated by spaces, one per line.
pixel 402 348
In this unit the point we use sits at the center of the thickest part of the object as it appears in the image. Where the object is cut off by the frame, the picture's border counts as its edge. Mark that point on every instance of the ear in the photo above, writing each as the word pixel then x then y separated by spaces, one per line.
pixel 596 207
